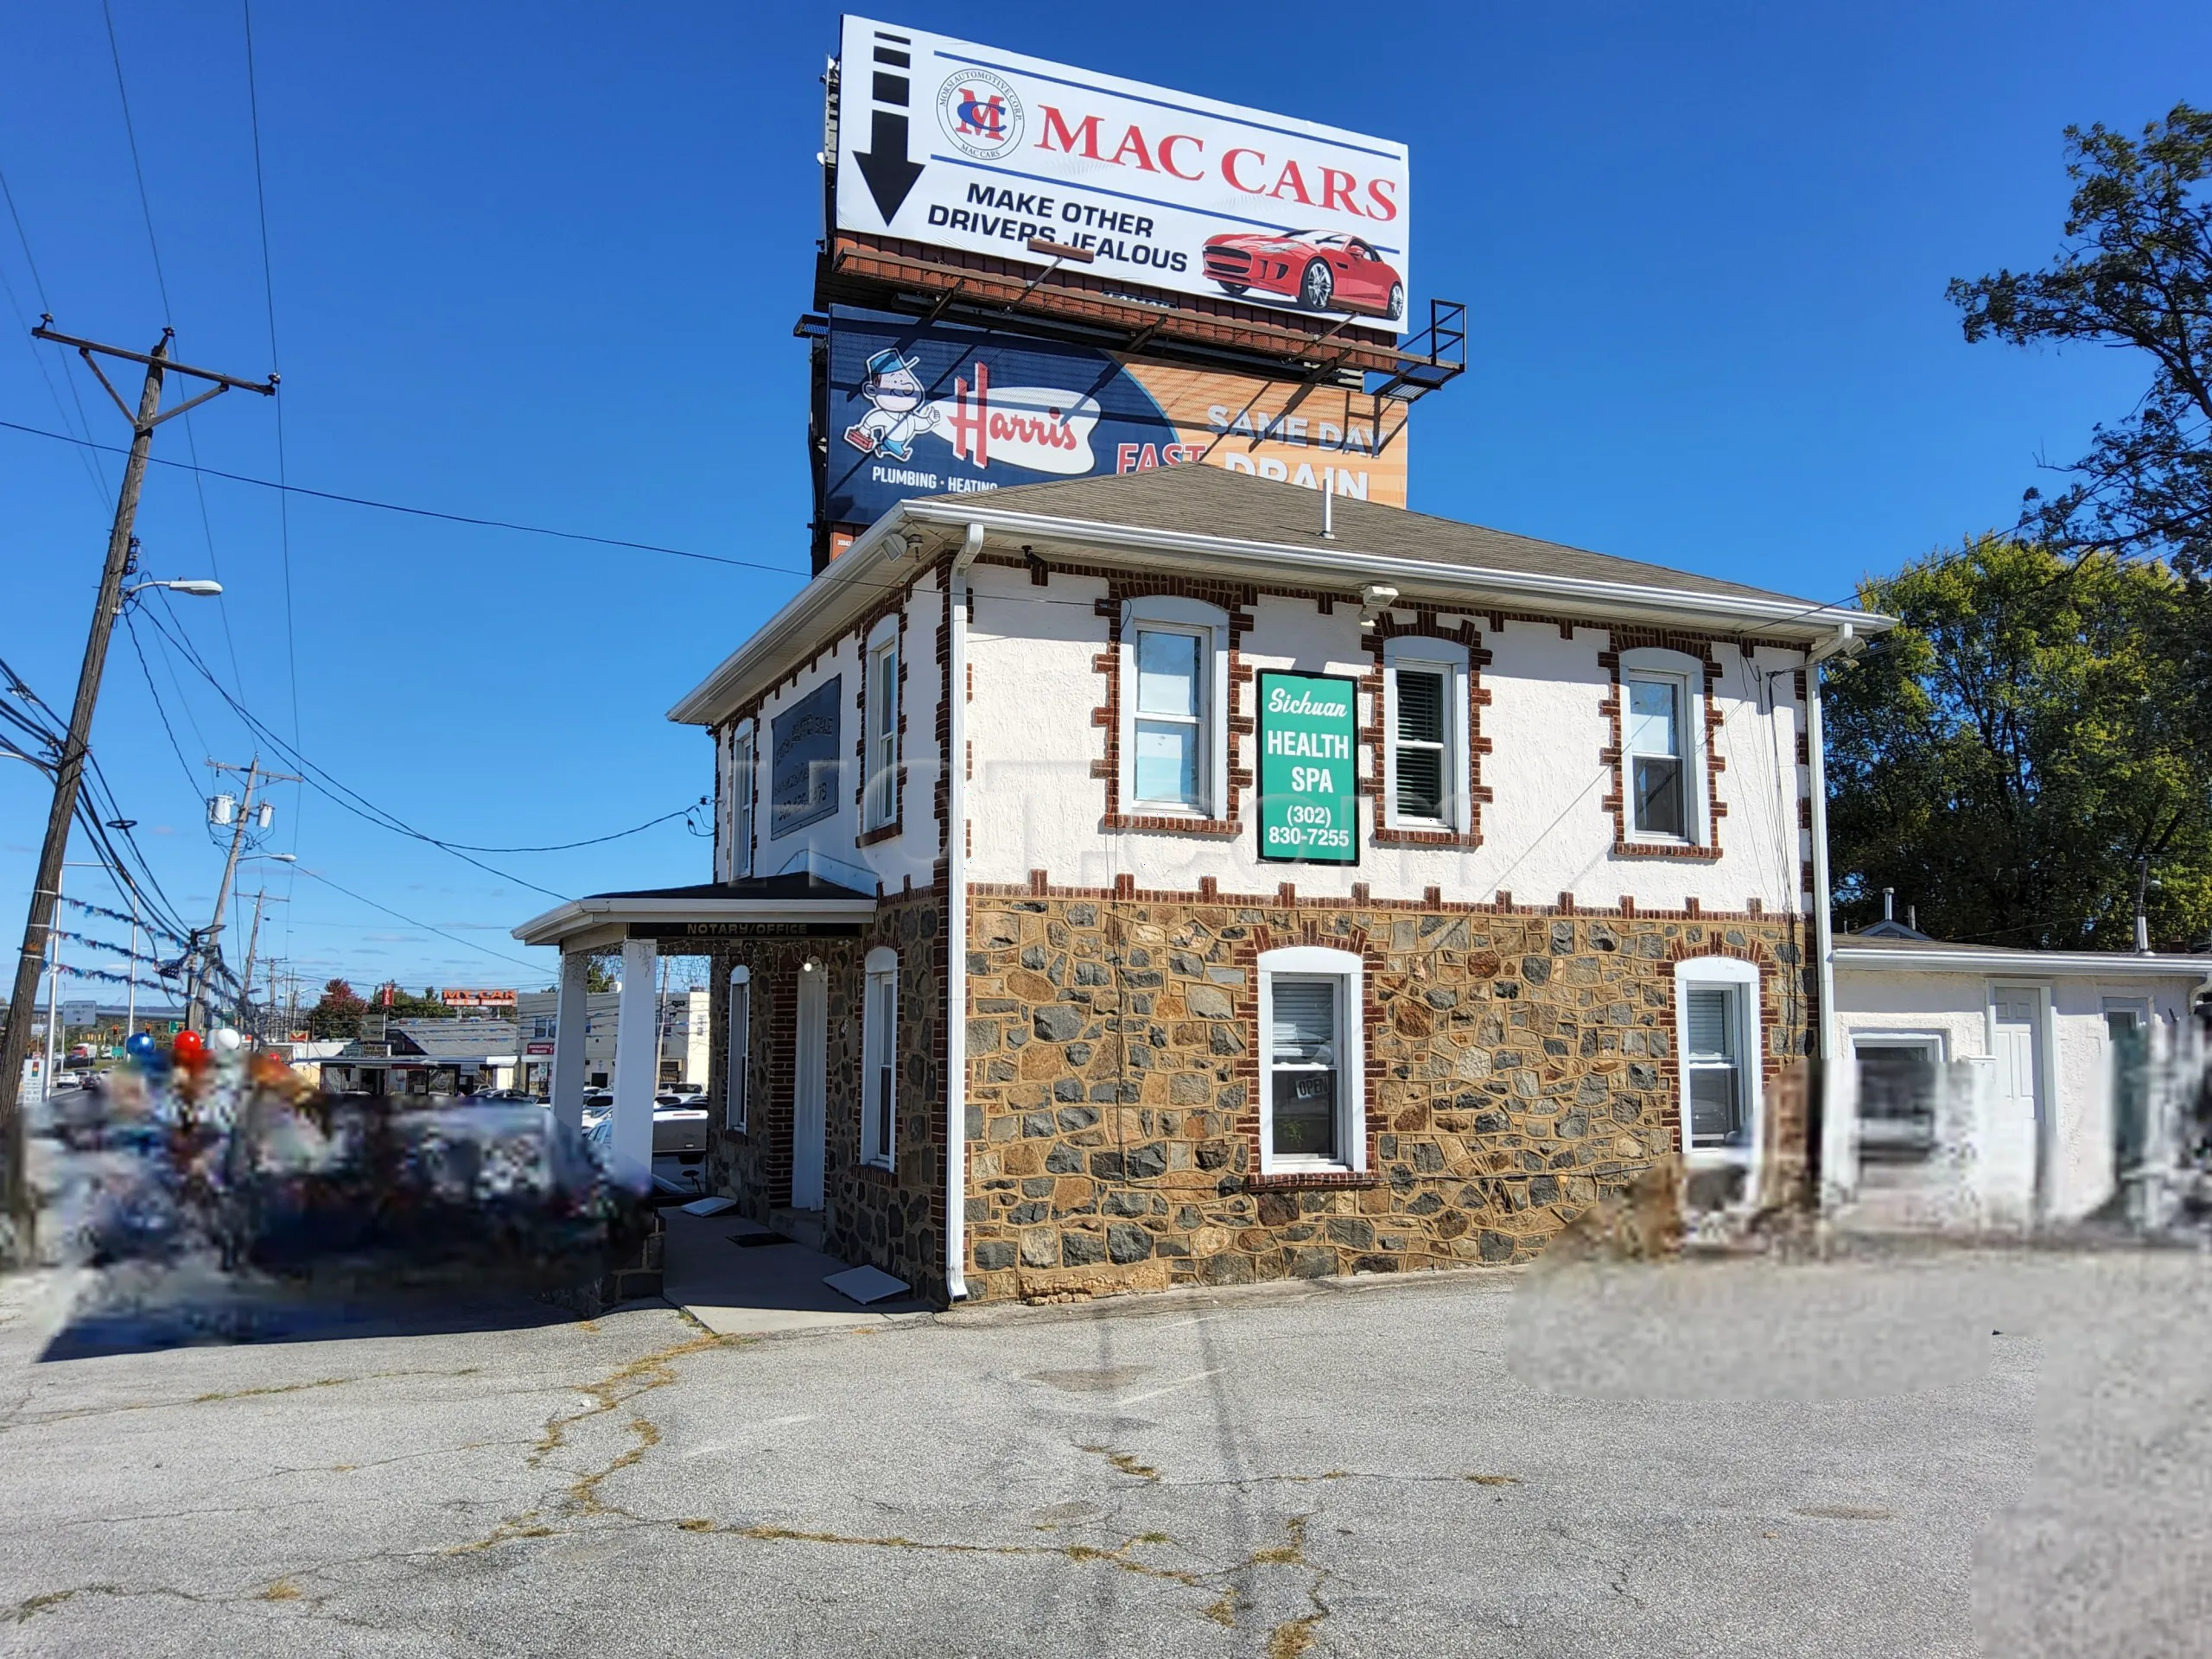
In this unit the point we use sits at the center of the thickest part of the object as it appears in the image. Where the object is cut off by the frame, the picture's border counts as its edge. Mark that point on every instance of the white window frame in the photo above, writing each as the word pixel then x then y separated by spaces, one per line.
pixel 1166 613
pixel 744 762
pixel 740 1048
pixel 879 1052
pixel 1687 674
pixel 879 800
pixel 1706 973
pixel 1309 961
pixel 1449 659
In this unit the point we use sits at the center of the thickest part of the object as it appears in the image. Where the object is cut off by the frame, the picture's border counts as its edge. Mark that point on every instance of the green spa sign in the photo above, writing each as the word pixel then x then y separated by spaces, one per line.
pixel 1309 797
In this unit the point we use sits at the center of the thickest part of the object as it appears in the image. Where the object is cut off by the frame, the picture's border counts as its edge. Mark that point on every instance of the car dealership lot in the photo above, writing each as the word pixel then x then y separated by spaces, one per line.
pixel 1873 1456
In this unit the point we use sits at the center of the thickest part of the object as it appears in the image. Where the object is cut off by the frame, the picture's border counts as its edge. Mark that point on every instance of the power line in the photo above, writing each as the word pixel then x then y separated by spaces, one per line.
pixel 191 779
pixel 284 475
pixel 275 365
pixel 169 317
pixel 38 283
pixel 426 513
pixel 384 819
pixel 397 915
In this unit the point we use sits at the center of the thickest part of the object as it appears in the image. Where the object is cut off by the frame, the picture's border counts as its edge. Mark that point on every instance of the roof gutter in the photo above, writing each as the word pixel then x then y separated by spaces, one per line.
pixel 579 914
pixel 2023 964
pixel 878 545
pixel 1356 568
pixel 885 543
pixel 955 922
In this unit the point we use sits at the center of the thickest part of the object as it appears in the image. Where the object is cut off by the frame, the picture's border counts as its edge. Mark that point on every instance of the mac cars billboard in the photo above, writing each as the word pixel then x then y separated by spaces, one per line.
pixel 914 408
pixel 943 141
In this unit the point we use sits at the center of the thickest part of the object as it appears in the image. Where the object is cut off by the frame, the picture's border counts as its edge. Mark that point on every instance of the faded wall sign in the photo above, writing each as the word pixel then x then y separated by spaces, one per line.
pixel 802 764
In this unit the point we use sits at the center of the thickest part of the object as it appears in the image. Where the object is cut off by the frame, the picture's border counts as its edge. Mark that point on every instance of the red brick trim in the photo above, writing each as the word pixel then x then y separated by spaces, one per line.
pixel 1235 601
pixel 1209 892
pixel 861 636
pixel 1425 626
pixel 1614 707
pixel 1245 1004
pixel 1315 1177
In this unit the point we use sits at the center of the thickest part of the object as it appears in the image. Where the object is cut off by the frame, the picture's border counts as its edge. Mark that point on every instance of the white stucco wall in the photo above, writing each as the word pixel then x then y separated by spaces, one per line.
pixel 2077 1137
pixel 1036 805
pixel 831 841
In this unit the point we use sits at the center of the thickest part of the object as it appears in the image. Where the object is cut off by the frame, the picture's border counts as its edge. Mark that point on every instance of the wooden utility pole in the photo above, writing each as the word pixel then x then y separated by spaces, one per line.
pixel 208 952
pixel 18 1220
pixel 252 943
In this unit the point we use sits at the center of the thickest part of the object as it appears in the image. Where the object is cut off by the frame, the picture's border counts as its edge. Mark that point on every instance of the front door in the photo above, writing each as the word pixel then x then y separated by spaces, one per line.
pixel 808 1075
pixel 2011 1138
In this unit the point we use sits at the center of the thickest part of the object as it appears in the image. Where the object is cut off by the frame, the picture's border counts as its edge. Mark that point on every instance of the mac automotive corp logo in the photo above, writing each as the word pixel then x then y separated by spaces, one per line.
pixel 981 113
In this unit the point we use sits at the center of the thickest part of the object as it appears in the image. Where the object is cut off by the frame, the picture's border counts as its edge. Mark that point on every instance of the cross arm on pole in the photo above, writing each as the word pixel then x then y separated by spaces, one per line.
pixel 267 389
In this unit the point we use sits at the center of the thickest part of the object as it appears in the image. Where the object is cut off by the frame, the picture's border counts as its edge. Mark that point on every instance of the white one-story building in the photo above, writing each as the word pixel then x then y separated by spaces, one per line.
pixel 1973 1086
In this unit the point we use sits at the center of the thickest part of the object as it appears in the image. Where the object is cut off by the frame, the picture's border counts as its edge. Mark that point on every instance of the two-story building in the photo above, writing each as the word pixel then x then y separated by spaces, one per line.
pixel 1315 886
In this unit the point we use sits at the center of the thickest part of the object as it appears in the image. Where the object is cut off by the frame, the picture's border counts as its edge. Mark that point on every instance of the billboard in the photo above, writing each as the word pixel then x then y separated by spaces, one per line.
pixel 962 146
pixel 920 409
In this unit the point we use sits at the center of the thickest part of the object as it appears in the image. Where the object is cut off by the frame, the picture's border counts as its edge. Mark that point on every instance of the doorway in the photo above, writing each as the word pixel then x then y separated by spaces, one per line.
pixel 810 1070
pixel 2014 1148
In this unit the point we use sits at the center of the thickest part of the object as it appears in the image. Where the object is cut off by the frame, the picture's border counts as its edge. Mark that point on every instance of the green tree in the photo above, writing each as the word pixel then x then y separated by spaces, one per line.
pixel 339 1012
pixel 2004 757
pixel 596 978
pixel 2136 271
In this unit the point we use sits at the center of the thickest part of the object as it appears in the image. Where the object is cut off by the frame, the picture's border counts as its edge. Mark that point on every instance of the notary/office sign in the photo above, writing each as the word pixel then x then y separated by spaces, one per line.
pixel 1309 789
pixel 802 759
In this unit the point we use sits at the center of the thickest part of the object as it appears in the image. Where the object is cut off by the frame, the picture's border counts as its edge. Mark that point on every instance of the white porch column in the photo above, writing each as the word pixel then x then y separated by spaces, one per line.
pixel 571 1017
pixel 637 1064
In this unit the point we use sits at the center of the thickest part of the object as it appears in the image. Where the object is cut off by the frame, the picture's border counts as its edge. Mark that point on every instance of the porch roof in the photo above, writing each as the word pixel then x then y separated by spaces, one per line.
pixel 604 917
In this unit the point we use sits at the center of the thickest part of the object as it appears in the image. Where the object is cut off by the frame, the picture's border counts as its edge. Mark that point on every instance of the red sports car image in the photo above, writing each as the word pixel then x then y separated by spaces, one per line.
pixel 1320 270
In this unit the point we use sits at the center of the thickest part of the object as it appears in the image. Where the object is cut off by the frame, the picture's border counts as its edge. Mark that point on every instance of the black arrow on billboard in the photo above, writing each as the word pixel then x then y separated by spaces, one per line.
pixel 890 175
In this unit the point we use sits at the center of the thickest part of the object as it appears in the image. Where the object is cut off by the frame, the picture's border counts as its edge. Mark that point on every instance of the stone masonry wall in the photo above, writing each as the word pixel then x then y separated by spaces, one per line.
pixel 1520 1061
pixel 893 1219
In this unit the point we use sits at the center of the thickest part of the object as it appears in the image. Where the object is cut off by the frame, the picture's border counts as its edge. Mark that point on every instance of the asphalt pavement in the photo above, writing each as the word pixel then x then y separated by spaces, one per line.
pixel 1917 1453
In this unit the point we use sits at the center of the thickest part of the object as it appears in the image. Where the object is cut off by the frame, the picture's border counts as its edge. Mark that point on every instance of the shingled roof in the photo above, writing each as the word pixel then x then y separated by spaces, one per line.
pixel 1208 500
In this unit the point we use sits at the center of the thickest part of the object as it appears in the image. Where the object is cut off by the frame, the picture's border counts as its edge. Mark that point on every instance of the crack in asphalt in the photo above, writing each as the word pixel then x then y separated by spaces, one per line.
pixel 40 1419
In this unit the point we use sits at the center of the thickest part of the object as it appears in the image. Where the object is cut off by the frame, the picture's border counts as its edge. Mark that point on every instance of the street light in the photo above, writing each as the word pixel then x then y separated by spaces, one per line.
pixel 198 587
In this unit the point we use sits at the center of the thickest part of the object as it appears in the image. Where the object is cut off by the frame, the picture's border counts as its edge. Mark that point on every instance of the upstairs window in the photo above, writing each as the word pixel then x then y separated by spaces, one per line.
pixel 1172 674
pixel 1171 718
pixel 879 1058
pixel 741 799
pixel 883 735
pixel 1658 784
pixel 1425 737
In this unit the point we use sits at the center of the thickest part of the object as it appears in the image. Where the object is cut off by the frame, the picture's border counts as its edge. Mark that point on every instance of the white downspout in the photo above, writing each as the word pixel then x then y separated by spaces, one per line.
pixel 955 928
pixel 1836 1141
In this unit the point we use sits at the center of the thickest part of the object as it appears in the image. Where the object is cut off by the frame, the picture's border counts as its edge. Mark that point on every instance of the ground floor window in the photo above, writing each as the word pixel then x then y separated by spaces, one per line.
pixel 1897 1080
pixel 1718 1040
pixel 741 1046
pixel 1313 1106
pixel 879 1058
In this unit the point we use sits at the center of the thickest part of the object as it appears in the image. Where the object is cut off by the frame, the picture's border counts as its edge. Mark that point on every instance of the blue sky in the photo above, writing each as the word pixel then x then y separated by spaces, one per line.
pixel 541 262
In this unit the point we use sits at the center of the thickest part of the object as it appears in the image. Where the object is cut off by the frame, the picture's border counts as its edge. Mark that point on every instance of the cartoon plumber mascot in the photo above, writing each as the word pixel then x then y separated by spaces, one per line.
pixel 897 411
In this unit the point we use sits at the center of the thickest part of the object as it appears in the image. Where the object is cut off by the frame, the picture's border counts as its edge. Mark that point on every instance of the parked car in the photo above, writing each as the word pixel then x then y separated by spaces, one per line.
pixel 1320 270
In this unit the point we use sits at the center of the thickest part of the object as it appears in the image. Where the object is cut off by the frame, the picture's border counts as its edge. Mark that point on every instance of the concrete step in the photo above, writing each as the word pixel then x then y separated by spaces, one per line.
pixel 800 1226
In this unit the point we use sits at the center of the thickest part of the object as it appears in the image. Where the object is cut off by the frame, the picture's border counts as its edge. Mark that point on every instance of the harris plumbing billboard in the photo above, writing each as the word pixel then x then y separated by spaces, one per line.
pixel 945 142
pixel 920 409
